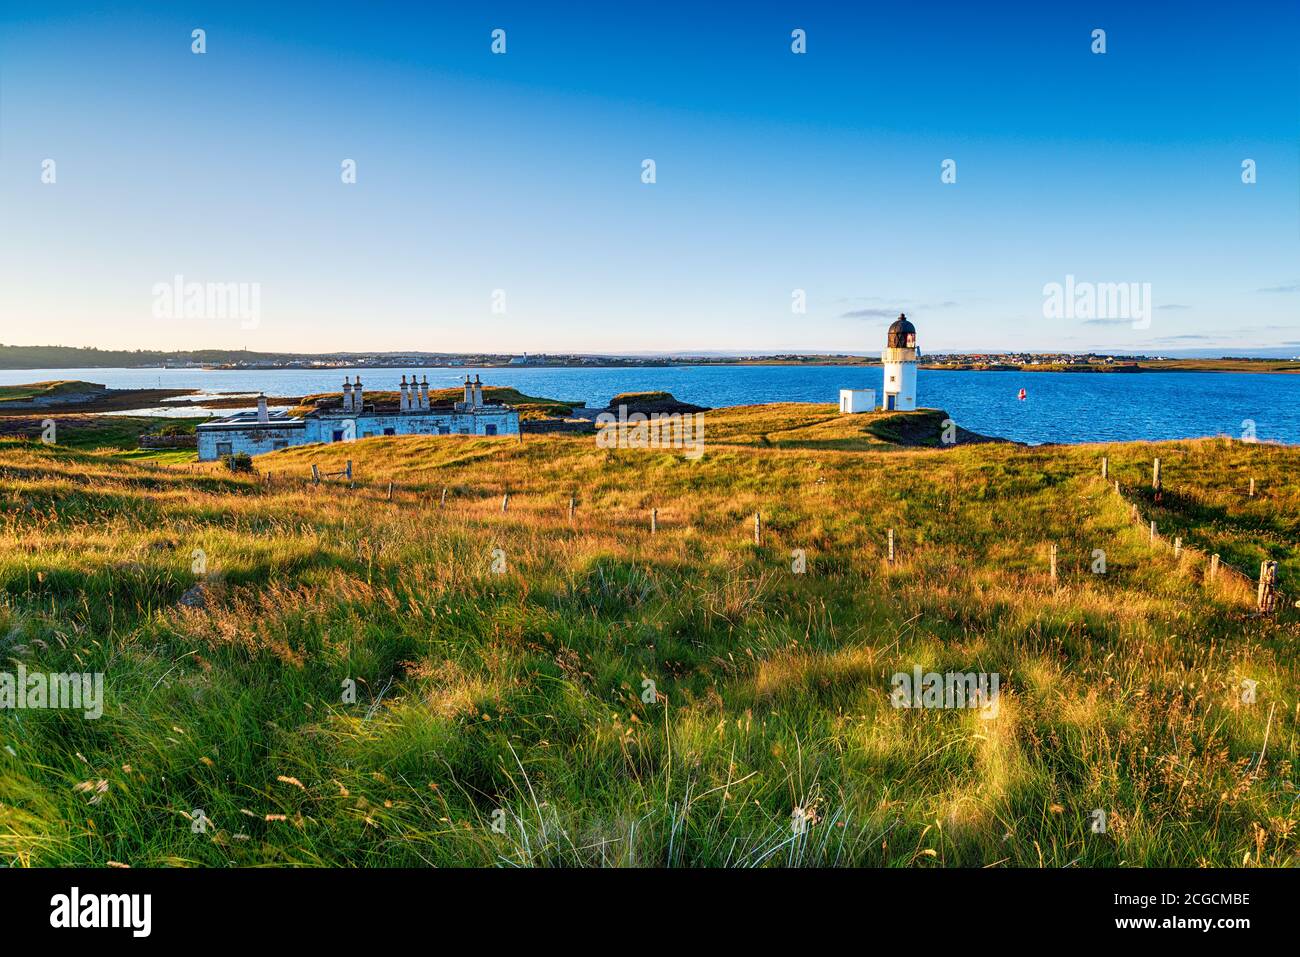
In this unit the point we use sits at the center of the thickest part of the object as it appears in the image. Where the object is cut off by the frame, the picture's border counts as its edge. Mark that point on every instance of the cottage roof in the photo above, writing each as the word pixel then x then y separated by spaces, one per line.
pixel 249 420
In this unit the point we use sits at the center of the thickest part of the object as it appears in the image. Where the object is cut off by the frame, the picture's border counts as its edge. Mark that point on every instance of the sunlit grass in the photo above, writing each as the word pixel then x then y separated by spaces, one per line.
pixel 614 697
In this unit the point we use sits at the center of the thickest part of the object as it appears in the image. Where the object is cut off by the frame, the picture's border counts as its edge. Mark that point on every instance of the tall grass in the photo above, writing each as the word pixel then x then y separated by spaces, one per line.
pixel 614 698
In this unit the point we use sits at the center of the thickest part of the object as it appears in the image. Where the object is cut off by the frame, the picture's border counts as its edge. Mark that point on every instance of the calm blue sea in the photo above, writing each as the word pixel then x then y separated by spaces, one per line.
pixel 1060 406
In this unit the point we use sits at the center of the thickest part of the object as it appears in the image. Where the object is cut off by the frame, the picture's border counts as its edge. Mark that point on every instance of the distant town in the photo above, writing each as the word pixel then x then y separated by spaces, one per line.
pixel 68 357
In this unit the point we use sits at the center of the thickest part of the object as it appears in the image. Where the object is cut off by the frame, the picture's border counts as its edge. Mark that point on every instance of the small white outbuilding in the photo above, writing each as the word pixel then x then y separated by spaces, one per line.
pixel 857 400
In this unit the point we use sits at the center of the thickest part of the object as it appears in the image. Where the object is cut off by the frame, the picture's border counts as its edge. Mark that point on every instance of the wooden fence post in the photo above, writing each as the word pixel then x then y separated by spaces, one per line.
pixel 1266 597
pixel 315 474
pixel 758 529
pixel 348 470
pixel 390 491
pixel 1105 468
pixel 1155 475
pixel 443 501
pixel 1178 546
pixel 1214 566
pixel 573 504
pixel 1053 554
pixel 654 520
pixel 1252 488
pixel 891 546
pixel 1152 540
pixel 505 502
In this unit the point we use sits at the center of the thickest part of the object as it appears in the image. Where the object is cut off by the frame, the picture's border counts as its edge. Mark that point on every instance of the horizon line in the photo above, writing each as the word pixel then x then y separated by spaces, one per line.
pixel 1253 352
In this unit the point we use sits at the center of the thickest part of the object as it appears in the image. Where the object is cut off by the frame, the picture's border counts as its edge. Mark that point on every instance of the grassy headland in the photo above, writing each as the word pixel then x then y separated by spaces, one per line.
pixel 31 391
pixel 76 396
pixel 611 697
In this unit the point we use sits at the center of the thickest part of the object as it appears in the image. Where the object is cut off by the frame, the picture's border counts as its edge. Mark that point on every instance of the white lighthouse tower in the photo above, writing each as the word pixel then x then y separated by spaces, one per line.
pixel 899 359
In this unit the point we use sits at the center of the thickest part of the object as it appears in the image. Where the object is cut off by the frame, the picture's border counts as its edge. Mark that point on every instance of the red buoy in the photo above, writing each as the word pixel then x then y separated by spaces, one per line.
pixel 1021 396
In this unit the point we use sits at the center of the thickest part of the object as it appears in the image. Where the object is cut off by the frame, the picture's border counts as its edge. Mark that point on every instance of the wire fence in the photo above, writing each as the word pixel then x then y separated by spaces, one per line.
pixel 1229 582
pixel 1233 583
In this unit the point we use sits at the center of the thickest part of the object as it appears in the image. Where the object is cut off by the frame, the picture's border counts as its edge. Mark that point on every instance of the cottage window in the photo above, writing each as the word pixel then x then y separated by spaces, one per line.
pixel 225 448
pixel 390 431
pixel 489 430
pixel 444 430
pixel 280 444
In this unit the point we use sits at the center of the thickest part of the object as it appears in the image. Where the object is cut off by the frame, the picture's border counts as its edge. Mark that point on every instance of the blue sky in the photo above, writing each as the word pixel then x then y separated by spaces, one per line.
pixel 775 172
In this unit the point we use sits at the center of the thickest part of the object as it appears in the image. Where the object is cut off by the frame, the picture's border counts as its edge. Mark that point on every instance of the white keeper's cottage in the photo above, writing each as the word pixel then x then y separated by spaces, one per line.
pixel 352 417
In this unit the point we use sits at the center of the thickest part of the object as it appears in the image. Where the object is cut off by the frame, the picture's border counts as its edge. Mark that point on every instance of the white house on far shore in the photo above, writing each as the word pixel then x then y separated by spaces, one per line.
pixel 352 417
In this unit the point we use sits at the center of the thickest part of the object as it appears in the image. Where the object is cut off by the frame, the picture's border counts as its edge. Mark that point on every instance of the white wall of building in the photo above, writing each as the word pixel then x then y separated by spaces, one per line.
pixel 342 428
pixel 900 380
pixel 857 400
pixel 215 442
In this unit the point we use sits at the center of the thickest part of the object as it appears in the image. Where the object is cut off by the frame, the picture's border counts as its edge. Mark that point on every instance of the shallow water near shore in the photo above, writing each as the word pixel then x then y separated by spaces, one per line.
pixel 1059 406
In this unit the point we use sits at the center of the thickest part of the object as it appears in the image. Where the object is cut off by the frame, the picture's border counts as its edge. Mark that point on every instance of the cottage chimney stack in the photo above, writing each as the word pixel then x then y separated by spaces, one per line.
pixel 469 394
pixel 357 407
pixel 424 393
pixel 478 392
pixel 405 404
pixel 262 414
pixel 347 395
